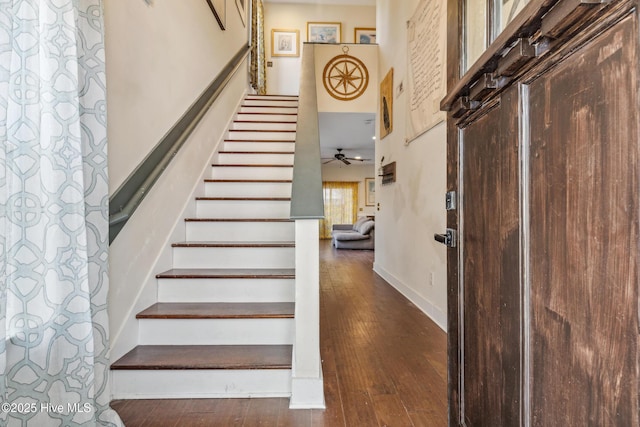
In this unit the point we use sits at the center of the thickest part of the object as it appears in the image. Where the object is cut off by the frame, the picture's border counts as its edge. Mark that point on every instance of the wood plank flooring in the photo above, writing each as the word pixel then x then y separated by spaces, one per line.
pixel 384 363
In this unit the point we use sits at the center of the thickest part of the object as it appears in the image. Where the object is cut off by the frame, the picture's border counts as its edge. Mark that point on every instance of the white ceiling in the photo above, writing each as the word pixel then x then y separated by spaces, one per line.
pixel 353 132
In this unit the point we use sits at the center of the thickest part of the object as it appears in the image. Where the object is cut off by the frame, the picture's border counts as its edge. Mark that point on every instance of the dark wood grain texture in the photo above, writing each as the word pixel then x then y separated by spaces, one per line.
pixel 215 310
pixel 384 363
pixel 584 235
pixel 152 357
pixel 491 316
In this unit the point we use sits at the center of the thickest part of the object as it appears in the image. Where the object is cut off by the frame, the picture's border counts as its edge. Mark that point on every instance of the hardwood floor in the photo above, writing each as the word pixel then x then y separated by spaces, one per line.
pixel 384 363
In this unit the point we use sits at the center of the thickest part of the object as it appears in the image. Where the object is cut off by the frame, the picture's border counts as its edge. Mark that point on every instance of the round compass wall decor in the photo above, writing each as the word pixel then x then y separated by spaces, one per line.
pixel 345 77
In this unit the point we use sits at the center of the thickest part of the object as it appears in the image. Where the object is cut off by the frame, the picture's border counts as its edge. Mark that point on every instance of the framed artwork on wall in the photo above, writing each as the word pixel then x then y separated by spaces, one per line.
pixel 386 105
pixel 324 32
pixel 370 191
pixel 242 10
pixel 285 42
pixel 364 35
pixel 218 7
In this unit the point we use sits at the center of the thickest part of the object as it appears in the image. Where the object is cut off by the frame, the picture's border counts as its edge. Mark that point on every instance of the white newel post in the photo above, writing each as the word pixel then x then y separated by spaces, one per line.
pixel 307 386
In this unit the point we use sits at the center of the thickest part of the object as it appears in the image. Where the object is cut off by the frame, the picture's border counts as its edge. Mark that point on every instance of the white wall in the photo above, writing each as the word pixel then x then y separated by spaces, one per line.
pixel 336 172
pixel 411 209
pixel 159 58
pixel 284 77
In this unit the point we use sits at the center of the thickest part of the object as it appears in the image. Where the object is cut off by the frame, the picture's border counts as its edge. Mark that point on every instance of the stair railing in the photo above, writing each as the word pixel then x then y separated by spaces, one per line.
pixel 126 199
pixel 307 209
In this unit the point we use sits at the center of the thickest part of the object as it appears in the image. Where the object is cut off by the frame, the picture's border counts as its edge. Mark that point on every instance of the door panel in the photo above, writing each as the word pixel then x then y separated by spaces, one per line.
pixel 584 235
pixel 490 246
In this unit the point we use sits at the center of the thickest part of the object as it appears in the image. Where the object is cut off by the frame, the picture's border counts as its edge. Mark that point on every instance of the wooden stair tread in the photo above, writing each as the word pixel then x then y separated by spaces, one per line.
pixel 253 199
pixel 218 310
pixel 156 357
pixel 263 130
pixel 256 152
pixel 250 166
pixel 270 114
pixel 282 122
pixel 228 273
pixel 261 140
pixel 238 220
pixel 251 180
pixel 234 245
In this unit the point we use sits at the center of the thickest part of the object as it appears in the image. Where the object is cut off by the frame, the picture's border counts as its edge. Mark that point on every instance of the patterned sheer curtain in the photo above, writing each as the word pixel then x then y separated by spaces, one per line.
pixel 258 73
pixel 340 205
pixel 54 196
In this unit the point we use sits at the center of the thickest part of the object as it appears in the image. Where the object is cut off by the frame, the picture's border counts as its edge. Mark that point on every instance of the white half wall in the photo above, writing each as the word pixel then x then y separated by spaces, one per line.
pixel 411 209
pixel 283 78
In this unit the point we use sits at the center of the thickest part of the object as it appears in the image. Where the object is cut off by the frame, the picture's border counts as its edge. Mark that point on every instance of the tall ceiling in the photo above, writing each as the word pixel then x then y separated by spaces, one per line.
pixel 352 132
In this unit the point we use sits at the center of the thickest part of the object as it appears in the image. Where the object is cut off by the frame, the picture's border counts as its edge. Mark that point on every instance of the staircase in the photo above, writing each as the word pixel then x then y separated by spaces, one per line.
pixel 223 325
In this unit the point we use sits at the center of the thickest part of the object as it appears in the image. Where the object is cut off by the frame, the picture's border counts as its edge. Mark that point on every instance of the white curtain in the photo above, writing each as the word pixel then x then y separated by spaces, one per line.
pixel 54 338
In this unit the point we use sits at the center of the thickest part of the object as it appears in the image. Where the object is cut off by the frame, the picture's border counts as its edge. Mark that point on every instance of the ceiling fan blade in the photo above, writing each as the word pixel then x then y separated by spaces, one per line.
pixel 345 161
pixel 357 160
pixel 328 161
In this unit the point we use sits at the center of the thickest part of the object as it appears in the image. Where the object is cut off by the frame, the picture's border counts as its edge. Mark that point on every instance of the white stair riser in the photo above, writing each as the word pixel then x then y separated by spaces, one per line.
pixel 247 189
pixel 193 384
pixel 269 103
pixel 269 110
pixel 293 118
pixel 230 231
pixel 259 146
pixel 255 159
pixel 226 290
pixel 261 136
pixel 242 209
pixel 263 126
pixel 215 331
pixel 252 172
pixel 273 97
pixel 228 257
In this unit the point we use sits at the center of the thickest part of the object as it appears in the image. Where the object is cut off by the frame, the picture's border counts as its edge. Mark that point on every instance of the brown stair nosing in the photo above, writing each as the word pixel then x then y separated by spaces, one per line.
pixel 217 310
pixel 238 220
pixel 281 122
pixel 270 114
pixel 228 273
pixel 261 140
pixel 268 181
pixel 248 199
pixel 266 95
pixel 211 244
pixel 250 166
pixel 264 130
pixel 256 152
pixel 186 357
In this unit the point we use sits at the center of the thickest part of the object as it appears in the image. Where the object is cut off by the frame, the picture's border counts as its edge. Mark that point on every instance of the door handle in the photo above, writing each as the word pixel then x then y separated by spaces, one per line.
pixel 448 239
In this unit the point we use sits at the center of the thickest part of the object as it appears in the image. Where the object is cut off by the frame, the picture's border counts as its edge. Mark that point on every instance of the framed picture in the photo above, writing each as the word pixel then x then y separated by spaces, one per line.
pixel 370 191
pixel 386 105
pixel 324 32
pixel 242 10
pixel 285 42
pixel 364 35
pixel 218 7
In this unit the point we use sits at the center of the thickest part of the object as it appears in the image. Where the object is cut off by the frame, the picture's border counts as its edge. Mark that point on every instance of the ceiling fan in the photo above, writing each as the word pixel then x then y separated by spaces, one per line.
pixel 343 158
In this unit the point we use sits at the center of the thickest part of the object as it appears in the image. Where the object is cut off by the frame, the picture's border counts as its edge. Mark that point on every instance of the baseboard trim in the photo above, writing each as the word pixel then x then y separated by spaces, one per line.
pixel 307 393
pixel 422 303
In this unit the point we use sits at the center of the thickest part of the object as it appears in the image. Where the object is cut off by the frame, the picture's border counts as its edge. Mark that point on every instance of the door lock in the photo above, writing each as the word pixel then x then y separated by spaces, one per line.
pixel 448 239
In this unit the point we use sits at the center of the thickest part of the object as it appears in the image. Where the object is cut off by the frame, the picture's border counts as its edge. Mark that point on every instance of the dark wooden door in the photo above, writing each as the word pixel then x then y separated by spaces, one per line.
pixel 544 313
